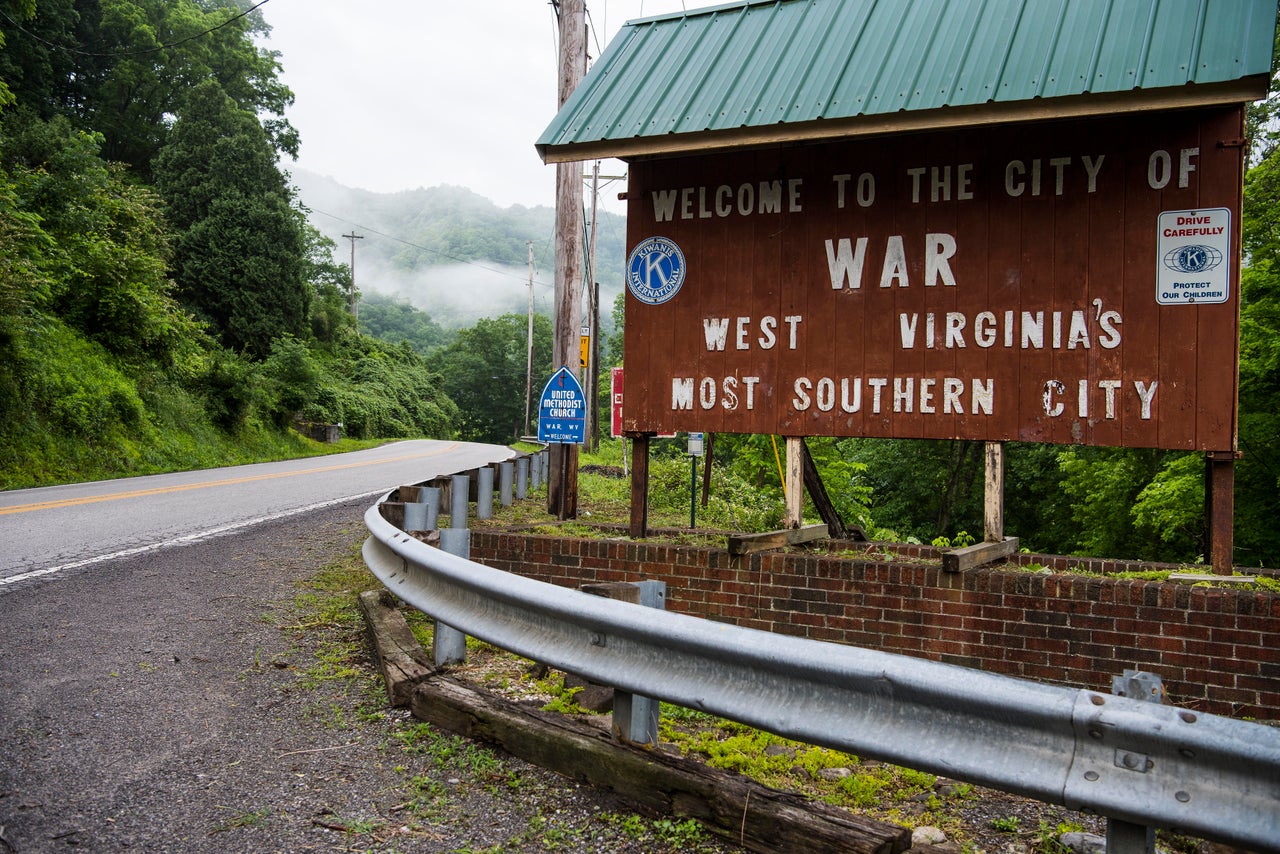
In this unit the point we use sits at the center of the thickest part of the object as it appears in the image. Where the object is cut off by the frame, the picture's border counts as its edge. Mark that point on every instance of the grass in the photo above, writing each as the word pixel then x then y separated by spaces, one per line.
pixel 889 793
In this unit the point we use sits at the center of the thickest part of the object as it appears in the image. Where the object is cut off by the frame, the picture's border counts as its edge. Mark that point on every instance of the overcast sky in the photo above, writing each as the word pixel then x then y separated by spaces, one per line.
pixel 400 94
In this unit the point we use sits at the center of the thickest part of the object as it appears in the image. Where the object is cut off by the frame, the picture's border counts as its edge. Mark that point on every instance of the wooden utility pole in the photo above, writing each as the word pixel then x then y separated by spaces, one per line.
pixel 593 315
pixel 528 370
pixel 562 484
pixel 353 237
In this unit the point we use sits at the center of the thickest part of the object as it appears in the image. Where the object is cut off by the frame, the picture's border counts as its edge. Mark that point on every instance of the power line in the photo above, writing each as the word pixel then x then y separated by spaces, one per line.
pixel 143 52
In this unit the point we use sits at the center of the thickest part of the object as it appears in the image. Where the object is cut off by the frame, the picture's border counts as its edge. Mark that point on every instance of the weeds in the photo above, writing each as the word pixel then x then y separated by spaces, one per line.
pixel 241 818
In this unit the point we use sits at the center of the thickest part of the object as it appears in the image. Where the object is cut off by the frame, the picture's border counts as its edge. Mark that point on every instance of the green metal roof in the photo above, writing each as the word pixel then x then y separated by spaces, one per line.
pixel 756 72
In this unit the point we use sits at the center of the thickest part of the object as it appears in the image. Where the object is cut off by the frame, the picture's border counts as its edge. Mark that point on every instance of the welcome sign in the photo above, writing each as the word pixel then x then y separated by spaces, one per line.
pixel 1067 281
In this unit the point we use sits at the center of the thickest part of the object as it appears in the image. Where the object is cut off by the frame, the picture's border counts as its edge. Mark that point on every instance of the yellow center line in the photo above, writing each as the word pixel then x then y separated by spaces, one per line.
pixel 161 490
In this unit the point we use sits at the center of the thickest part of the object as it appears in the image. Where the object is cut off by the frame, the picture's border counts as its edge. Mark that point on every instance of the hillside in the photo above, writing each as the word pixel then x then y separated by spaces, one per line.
pixel 449 251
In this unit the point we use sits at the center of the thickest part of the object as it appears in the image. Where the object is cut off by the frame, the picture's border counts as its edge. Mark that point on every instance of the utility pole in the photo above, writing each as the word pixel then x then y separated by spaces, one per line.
pixel 591 381
pixel 528 371
pixel 355 312
pixel 593 315
pixel 562 485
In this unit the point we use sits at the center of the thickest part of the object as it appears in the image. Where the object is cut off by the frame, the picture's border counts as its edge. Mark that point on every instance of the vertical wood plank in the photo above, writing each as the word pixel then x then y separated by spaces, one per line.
pixel 993 495
pixel 795 482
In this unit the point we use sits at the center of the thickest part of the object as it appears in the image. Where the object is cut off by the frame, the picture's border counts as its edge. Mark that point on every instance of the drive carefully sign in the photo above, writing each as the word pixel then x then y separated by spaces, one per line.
pixel 562 410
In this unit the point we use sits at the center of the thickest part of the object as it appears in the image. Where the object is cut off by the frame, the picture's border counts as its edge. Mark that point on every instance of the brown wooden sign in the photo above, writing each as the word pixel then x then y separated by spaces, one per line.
pixel 1068 282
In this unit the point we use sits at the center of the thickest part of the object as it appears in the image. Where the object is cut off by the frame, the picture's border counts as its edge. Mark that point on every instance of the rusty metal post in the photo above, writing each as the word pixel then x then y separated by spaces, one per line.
pixel 639 486
pixel 1219 511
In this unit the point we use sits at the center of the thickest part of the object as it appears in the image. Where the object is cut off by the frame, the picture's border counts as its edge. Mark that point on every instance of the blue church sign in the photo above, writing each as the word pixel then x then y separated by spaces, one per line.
pixel 562 410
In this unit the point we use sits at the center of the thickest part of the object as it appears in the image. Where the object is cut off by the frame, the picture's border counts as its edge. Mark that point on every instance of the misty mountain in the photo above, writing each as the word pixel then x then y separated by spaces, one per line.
pixel 451 252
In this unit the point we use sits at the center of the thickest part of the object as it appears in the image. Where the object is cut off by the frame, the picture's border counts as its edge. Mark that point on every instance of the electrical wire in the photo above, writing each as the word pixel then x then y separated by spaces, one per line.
pixel 126 53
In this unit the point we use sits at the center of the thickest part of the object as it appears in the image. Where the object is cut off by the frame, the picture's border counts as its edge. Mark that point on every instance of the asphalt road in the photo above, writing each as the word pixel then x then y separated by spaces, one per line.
pixel 162 691
pixel 57 529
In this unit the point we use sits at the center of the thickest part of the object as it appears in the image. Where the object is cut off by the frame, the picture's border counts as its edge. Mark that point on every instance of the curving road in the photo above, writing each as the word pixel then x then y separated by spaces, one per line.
pixel 53 529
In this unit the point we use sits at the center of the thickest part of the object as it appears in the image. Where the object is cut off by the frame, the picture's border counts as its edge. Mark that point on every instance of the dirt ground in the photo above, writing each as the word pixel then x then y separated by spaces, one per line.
pixel 195 699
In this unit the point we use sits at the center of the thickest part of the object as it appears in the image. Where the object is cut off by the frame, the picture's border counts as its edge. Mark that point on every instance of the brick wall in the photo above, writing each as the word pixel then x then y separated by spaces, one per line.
pixel 1217 650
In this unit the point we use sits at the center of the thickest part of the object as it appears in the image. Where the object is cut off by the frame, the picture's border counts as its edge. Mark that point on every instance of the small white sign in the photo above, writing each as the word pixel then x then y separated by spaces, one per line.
pixel 695 444
pixel 1193 257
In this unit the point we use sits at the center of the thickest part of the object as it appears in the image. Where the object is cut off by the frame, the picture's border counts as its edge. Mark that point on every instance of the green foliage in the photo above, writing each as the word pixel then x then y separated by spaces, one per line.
pixel 331 317
pixel 922 488
pixel 239 259
pixel 103 247
pixel 122 67
pixel 396 321
pixel 295 379
pixel 1257 481
pixel 1171 505
pixel 484 371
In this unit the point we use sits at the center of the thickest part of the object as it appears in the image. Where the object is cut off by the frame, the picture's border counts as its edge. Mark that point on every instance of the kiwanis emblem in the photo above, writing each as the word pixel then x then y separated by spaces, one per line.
pixel 655 270
pixel 1192 258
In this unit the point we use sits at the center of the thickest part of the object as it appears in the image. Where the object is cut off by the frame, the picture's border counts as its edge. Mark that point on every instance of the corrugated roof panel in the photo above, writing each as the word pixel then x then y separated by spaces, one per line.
pixel 910 44
pixel 977 80
pixel 1170 57
pixel 702 93
pixel 956 30
pixel 754 103
pixel 1227 27
pixel 807 82
pixel 756 66
pixel 834 49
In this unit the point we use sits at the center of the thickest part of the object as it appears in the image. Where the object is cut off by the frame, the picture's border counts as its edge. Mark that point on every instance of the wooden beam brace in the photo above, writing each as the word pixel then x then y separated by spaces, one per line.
pixel 960 560
pixel 746 543
pixel 730 805
pixel 821 499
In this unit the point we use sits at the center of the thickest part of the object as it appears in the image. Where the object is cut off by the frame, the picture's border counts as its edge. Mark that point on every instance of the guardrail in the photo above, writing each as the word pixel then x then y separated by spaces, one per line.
pixel 1133 761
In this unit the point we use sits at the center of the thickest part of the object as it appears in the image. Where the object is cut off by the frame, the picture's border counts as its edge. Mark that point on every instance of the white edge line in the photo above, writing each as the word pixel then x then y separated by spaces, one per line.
pixel 183 540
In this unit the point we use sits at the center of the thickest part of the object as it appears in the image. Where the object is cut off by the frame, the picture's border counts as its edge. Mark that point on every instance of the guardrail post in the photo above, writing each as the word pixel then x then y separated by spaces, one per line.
pixel 430 496
pixel 415 516
pixel 522 478
pixel 448 645
pixel 535 470
pixel 458 494
pixel 506 474
pixel 1124 837
pixel 484 493
pixel 635 718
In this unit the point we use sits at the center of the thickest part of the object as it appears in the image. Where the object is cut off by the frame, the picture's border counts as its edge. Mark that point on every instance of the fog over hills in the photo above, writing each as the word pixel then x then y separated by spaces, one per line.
pixel 451 252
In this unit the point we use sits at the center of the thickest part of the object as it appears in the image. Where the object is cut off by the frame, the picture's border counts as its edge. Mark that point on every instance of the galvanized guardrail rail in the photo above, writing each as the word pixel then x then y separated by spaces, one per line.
pixel 1132 761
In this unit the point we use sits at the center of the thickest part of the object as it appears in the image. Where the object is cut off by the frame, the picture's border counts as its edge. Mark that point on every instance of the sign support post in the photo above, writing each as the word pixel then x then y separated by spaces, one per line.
pixel 794 486
pixel 1219 511
pixel 562 413
pixel 639 486
pixel 993 494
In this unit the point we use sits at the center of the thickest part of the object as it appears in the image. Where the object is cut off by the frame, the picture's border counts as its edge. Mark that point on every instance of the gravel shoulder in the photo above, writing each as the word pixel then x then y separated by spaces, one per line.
pixel 174 702
pixel 219 697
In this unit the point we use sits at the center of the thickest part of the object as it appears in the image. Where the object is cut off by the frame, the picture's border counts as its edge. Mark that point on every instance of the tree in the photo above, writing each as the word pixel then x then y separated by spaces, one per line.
pixel 239 259
pixel 390 319
pixel 105 261
pixel 122 68
pixel 484 374
pixel 1258 473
